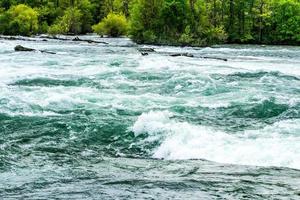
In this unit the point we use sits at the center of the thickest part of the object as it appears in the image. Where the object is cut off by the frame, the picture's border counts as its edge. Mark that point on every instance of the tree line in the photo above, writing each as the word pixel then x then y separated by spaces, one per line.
pixel 177 22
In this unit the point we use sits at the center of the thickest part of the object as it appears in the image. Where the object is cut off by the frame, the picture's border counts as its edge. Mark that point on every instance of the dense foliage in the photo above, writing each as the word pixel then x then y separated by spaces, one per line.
pixel 182 22
pixel 19 19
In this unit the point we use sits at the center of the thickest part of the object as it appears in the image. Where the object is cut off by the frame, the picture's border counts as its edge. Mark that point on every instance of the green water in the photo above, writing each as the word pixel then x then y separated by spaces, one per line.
pixel 103 122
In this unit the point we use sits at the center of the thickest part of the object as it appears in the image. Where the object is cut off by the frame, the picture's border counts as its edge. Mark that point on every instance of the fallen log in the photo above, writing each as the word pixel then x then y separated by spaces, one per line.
pixel 192 56
pixel 182 54
pixel 77 39
pixel 53 38
pixel 20 38
pixel 214 58
pixel 21 48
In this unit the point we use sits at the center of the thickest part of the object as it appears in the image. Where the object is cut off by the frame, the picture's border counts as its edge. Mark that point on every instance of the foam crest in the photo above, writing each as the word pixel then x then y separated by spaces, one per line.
pixel 274 145
pixel 152 123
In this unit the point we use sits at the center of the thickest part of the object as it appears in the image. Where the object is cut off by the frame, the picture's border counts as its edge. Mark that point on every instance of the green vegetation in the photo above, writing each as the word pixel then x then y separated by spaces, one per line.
pixel 70 22
pixel 177 22
pixel 19 19
pixel 113 25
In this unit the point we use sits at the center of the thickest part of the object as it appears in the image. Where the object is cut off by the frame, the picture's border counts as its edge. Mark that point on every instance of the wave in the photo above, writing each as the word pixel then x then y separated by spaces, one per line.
pixel 265 109
pixel 261 74
pixel 48 82
pixel 274 145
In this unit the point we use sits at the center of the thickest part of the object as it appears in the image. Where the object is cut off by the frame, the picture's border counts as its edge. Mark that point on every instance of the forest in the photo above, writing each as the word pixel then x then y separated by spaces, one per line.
pixel 167 22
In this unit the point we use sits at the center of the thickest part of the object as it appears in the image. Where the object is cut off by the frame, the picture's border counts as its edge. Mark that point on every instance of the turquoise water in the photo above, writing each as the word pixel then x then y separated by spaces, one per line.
pixel 99 121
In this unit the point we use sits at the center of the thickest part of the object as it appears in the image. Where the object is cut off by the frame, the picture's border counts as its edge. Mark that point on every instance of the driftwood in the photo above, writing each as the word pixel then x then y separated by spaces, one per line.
pixel 145 52
pixel 45 39
pixel 54 38
pixel 21 48
pixel 19 38
pixel 193 56
pixel 88 41
pixel 182 54
pixel 215 58
pixel 76 39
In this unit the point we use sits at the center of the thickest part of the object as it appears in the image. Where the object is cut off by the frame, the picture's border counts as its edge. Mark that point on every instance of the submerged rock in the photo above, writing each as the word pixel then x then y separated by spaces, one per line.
pixel 146 49
pixel 21 48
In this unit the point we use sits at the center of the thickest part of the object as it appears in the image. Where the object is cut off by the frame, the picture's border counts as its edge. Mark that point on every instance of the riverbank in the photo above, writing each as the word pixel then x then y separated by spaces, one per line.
pixel 100 39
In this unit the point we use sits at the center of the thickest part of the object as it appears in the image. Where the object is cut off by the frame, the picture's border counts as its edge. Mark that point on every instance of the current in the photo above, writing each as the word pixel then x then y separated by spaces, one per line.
pixel 101 121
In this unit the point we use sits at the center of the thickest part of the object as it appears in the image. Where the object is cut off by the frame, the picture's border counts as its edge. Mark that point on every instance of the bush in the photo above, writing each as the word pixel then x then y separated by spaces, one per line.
pixel 113 25
pixel 19 20
pixel 215 35
pixel 69 23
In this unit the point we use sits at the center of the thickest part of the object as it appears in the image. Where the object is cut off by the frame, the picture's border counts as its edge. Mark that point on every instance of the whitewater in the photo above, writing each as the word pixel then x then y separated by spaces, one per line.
pixel 103 121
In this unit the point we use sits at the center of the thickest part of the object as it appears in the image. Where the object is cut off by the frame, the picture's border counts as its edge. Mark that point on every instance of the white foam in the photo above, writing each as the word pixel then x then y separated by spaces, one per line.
pixel 275 145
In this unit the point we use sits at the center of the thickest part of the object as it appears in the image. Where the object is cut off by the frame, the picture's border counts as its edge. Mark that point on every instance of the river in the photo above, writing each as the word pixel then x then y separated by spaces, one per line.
pixel 101 121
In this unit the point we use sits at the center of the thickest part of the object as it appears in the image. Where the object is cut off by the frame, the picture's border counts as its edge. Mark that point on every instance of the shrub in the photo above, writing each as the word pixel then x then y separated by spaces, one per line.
pixel 19 20
pixel 113 25
pixel 215 35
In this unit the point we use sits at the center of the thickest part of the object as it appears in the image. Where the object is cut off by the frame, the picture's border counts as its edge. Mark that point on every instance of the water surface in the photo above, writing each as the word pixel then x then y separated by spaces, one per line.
pixel 98 121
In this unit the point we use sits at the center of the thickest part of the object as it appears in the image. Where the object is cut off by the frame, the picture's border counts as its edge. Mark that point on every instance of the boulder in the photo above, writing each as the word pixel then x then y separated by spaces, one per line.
pixel 21 48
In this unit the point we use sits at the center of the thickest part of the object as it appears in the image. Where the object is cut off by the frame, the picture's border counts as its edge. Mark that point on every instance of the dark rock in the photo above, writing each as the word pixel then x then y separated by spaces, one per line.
pixel 144 53
pixel 21 48
pixel 77 39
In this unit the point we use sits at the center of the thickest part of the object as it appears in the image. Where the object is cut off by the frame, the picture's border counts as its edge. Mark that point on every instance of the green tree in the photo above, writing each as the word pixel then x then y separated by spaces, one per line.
pixel 86 8
pixel 286 21
pixel 145 20
pixel 20 19
pixel 70 22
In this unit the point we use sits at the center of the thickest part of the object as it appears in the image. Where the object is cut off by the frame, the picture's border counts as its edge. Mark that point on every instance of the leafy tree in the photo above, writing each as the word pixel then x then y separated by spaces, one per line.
pixel 145 19
pixel 86 19
pixel 70 22
pixel 20 19
pixel 286 21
